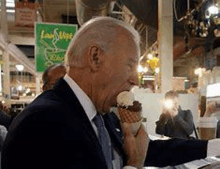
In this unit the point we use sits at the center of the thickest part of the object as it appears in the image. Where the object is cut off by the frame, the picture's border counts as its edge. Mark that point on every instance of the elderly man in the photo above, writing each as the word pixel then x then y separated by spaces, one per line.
pixel 70 126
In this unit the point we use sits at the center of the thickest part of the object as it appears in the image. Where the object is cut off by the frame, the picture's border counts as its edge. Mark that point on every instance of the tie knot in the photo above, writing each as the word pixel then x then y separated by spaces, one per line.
pixel 98 121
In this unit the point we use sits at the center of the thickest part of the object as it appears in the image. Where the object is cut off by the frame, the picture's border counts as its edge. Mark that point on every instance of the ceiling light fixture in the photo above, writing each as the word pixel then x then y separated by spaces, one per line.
pixel 157 70
pixel 28 90
pixel 145 70
pixel 213 10
pixel 140 69
pixel 20 88
pixel 19 67
pixel 150 56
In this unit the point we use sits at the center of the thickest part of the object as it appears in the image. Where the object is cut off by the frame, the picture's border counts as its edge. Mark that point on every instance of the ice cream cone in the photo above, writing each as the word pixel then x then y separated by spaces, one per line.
pixel 129 111
pixel 134 118
pixel 129 116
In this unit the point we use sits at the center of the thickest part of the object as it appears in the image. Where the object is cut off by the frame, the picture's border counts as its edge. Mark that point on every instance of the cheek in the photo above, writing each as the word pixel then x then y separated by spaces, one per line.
pixel 112 80
pixel 115 76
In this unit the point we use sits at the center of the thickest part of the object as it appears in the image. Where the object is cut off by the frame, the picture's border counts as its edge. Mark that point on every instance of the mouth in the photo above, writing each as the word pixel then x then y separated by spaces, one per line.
pixel 117 92
pixel 116 95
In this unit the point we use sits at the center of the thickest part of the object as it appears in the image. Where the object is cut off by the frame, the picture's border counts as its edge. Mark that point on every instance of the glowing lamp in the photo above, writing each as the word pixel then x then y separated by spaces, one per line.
pixel 140 69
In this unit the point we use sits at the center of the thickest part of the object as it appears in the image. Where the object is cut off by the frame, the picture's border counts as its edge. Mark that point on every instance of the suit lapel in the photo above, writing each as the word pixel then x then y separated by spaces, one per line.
pixel 76 111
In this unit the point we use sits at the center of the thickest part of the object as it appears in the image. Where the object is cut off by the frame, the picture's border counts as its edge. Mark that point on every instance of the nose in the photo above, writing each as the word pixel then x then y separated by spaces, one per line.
pixel 133 79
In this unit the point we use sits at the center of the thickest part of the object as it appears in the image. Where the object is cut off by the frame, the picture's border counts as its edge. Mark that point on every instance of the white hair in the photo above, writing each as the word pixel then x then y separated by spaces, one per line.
pixel 102 31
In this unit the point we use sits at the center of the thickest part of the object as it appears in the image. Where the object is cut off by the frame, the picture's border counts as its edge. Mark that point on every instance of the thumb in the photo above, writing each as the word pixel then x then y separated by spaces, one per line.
pixel 126 128
pixel 141 131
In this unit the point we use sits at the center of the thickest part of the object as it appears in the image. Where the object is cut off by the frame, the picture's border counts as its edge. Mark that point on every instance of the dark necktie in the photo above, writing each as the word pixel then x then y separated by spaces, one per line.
pixel 104 139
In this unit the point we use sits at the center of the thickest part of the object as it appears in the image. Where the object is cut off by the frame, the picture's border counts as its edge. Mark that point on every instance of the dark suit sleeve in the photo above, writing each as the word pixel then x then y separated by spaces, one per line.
pixel 160 124
pixel 172 152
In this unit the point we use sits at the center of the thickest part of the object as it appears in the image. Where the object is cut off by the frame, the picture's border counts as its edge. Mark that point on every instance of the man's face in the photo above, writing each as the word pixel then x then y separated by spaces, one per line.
pixel 118 73
pixel 176 103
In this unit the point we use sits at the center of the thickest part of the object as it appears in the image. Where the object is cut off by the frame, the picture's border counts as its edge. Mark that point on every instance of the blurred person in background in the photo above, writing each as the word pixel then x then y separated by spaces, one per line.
pixel 52 74
pixel 213 110
pixel 174 122
pixel 210 109
pixel 5 121
pixel 5 118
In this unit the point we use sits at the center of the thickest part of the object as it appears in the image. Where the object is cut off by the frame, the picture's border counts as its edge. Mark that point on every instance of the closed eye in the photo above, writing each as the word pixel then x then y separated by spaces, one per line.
pixel 131 64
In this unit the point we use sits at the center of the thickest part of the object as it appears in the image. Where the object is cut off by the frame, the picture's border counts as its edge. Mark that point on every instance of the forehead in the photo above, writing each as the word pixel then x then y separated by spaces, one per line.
pixel 126 46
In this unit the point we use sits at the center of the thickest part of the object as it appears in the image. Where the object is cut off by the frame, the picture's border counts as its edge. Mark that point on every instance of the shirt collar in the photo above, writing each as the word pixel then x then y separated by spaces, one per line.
pixel 85 101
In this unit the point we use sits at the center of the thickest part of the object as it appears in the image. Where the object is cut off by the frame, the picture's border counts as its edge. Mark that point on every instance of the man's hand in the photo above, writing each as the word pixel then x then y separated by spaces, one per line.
pixel 173 111
pixel 135 146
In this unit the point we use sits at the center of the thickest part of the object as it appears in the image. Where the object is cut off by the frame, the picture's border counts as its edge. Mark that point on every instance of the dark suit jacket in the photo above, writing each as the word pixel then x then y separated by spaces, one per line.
pixel 54 132
pixel 5 119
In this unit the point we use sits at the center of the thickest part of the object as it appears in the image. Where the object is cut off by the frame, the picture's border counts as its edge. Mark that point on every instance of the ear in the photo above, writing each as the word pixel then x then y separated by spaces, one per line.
pixel 95 57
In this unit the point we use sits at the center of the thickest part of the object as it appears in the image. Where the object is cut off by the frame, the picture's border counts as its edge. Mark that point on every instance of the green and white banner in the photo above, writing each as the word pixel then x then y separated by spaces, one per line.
pixel 52 41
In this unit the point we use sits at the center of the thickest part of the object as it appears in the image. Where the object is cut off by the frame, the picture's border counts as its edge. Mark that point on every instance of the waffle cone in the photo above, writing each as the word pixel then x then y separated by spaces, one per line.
pixel 129 116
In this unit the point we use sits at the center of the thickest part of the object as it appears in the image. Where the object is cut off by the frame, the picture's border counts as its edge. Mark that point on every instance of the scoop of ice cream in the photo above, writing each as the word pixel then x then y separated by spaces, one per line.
pixel 135 107
pixel 125 99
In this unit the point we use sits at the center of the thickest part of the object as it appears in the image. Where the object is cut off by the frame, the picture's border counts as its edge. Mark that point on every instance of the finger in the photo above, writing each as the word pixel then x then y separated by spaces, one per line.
pixel 142 136
pixel 142 131
pixel 174 109
pixel 126 128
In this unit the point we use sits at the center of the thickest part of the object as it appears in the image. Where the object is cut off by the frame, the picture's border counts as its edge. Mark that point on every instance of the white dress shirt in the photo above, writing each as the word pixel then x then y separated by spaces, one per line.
pixel 90 111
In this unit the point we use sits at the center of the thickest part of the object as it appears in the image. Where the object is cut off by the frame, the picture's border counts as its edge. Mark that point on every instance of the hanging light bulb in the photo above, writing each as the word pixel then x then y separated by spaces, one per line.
pixel 150 56
pixel 212 10
pixel 140 68
pixel 19 67
pixel 145 70
pixel 28 90
pixel 157 70
pixel 20 87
